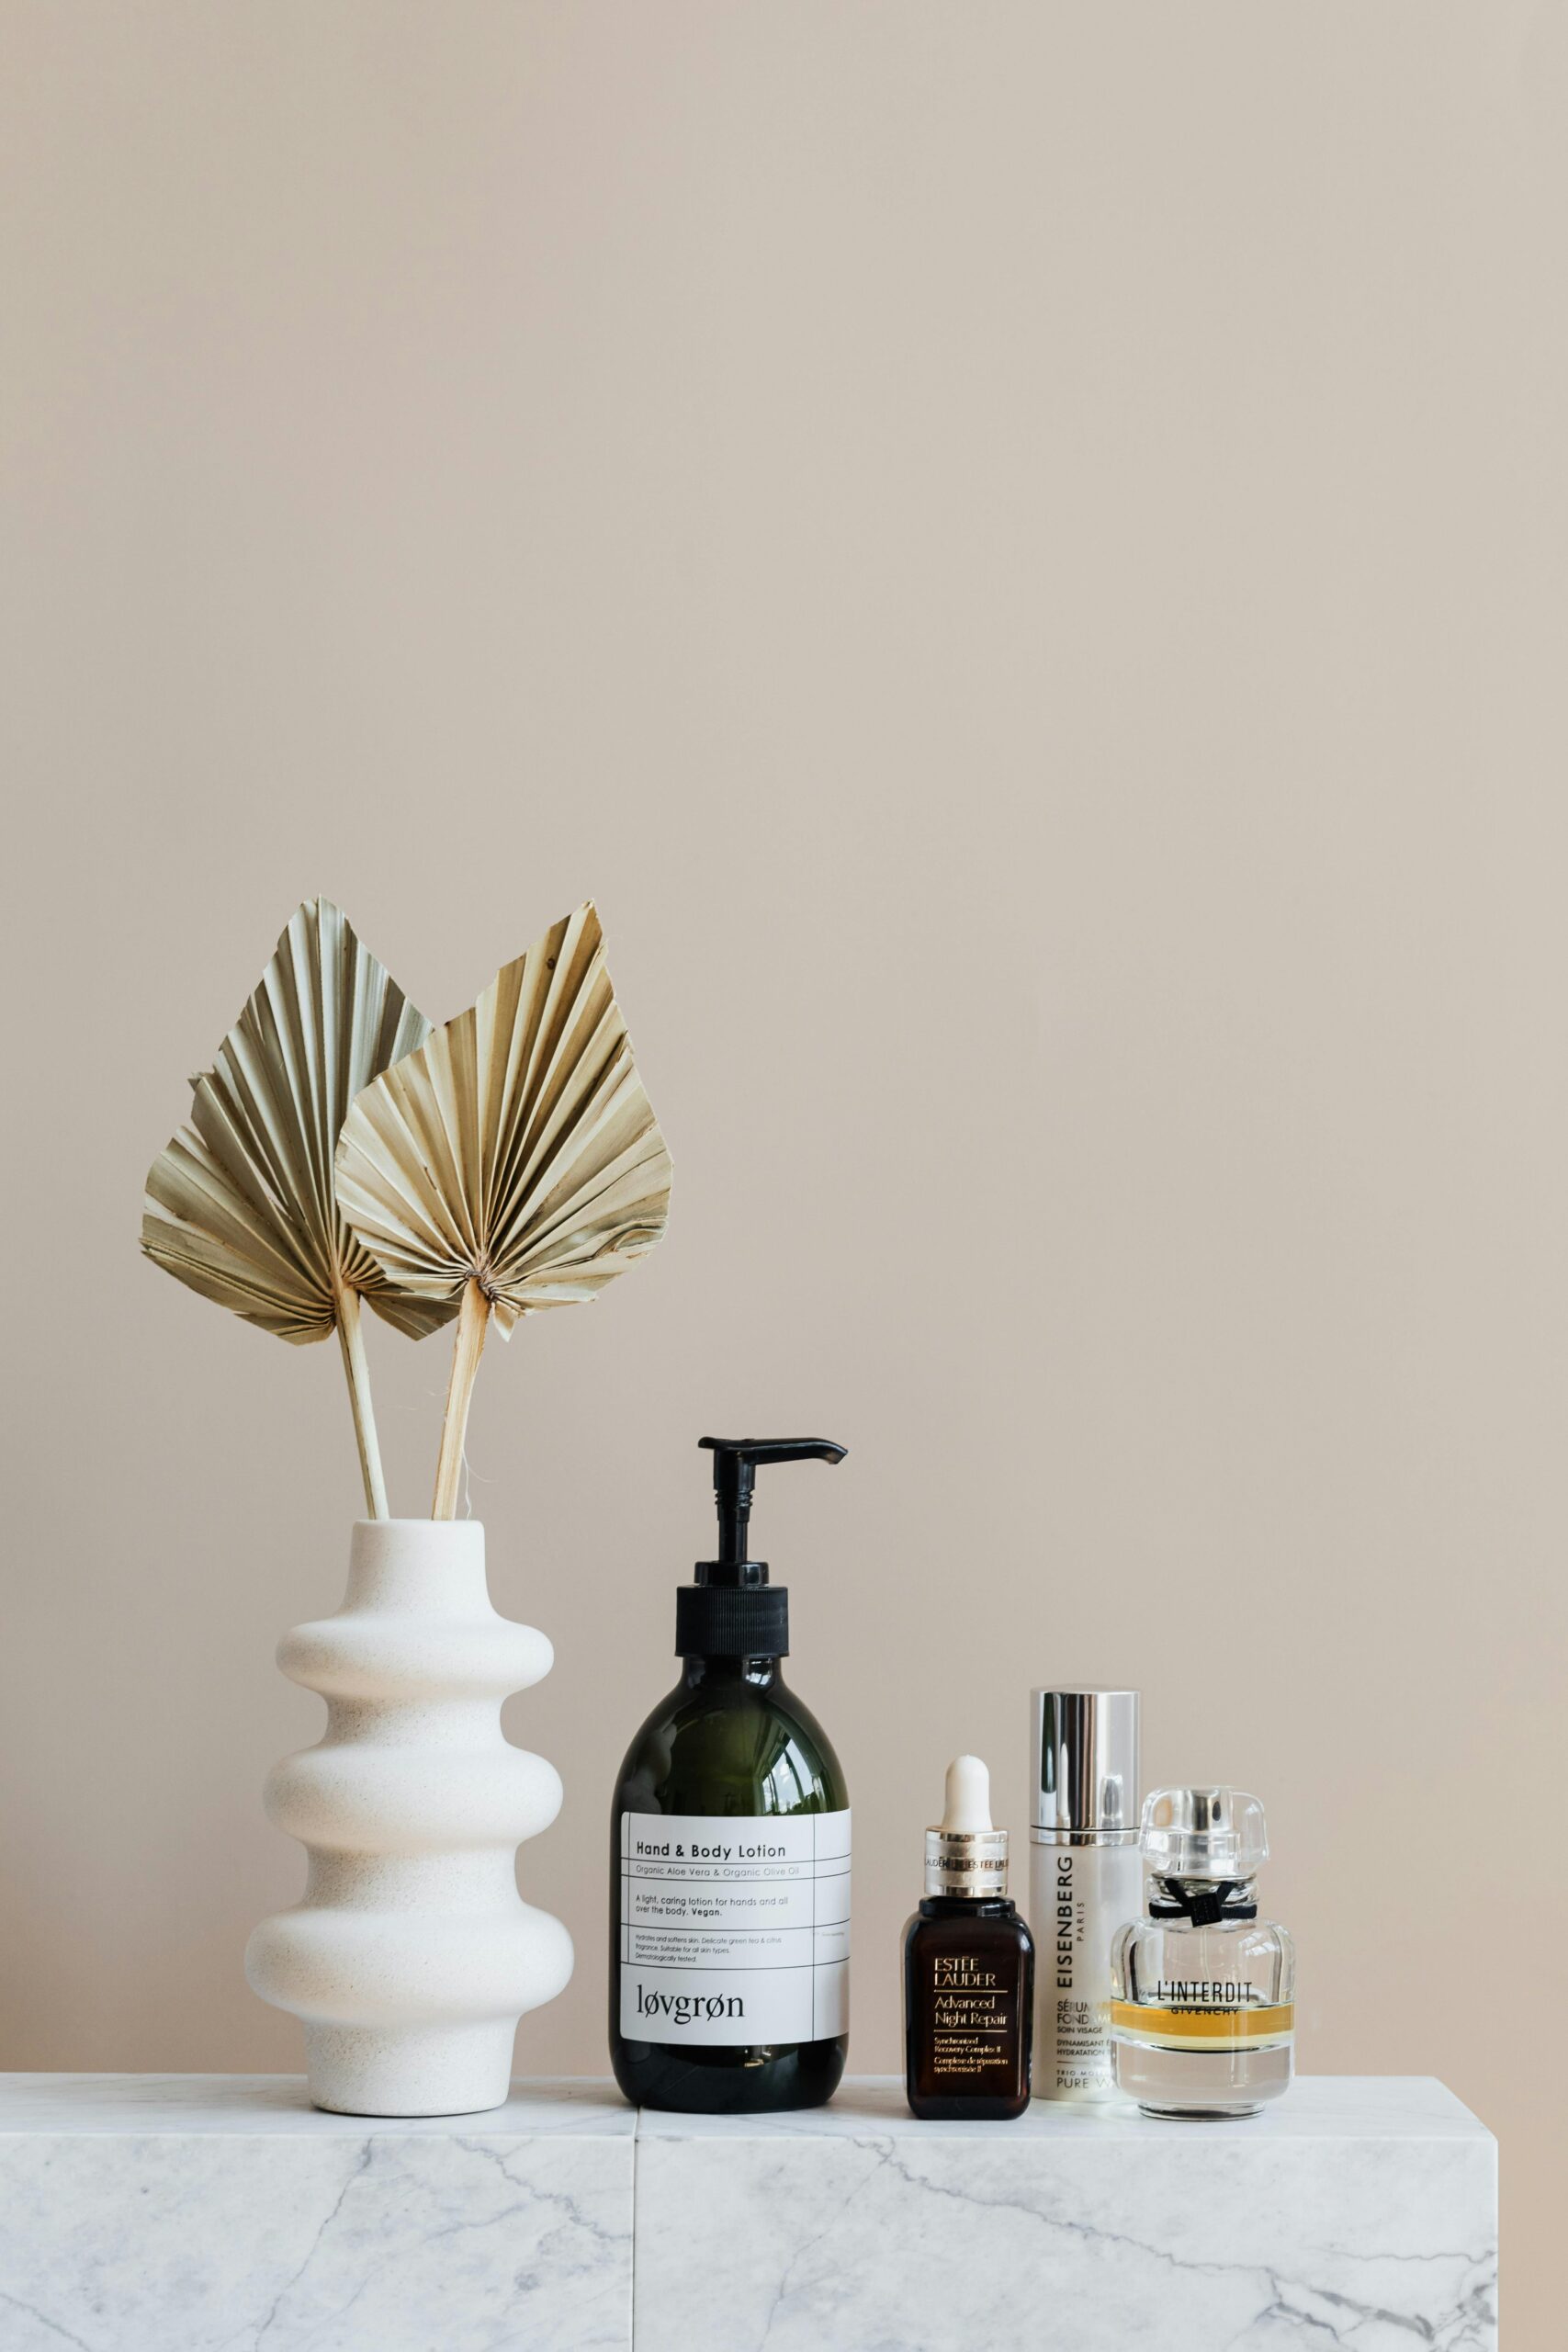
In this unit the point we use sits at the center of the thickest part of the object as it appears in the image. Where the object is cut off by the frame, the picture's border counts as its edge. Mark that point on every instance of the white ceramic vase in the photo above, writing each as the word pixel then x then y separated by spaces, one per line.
pixel 412 1956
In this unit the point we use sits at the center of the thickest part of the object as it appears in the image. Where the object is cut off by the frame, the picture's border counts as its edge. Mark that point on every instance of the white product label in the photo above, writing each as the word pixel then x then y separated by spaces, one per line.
pixel 735 1930
pixel 1078 1896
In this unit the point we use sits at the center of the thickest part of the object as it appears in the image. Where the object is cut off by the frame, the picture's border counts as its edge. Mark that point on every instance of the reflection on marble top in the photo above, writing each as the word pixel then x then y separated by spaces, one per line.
pixel 142 2104
pixel 1317 2107
pixel 1376 2106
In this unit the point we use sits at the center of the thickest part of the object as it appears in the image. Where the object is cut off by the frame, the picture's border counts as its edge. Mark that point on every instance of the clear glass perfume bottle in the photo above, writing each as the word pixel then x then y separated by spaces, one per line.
pixel 1202 2016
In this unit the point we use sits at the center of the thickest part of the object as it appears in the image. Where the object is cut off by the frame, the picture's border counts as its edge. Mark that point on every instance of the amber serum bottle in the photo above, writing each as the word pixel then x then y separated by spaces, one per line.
pixel 968 1968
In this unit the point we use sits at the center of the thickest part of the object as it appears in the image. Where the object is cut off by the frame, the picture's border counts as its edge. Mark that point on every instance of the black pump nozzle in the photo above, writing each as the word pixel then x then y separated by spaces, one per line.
pixel 735 1464
pixel 732 1611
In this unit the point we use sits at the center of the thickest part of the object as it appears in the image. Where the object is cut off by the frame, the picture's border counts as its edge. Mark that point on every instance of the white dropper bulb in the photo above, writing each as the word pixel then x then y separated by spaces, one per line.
pixel 967 1805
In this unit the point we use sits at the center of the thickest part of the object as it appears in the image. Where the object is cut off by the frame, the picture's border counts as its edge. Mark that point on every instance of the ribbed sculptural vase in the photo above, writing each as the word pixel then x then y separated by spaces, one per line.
pixel 412 1956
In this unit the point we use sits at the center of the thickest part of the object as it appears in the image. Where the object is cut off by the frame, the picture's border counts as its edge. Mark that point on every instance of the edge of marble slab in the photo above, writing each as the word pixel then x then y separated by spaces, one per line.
pixel 152 2106
pixel 1349 2107
pixel 1317 2107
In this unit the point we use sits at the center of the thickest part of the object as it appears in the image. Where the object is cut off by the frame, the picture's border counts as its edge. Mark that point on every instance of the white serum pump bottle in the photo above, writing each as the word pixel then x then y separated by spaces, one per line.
pixel 1085 1880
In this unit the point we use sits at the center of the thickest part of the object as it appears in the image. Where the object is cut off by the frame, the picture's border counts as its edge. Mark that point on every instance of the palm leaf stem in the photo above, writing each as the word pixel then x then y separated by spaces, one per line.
pixel 473 1318
pixel 356 1367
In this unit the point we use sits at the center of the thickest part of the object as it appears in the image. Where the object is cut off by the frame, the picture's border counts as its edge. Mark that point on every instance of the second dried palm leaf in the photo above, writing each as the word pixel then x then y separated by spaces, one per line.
pixel 514 1163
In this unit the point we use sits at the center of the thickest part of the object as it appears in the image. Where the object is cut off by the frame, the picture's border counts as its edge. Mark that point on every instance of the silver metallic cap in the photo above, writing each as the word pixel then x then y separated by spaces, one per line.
pixel 1086 1764
pixel 967 1861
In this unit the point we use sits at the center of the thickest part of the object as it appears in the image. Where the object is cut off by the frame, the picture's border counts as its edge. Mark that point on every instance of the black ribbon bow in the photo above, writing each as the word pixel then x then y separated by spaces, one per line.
pixel 1205 1906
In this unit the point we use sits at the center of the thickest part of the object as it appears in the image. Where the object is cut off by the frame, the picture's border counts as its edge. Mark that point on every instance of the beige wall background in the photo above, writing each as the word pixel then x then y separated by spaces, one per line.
pixel 1019 553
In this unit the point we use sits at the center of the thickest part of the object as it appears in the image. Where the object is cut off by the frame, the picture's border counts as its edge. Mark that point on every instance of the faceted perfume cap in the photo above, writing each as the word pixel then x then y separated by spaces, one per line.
pixel 965 1855
pixel 1203 1833
pixel 1085 1762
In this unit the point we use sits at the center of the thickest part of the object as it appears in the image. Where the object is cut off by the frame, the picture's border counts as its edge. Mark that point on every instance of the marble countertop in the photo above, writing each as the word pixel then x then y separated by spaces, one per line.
pixel 223 2213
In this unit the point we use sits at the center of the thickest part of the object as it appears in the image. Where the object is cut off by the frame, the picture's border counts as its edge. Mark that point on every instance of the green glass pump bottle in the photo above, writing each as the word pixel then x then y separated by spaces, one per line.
pixel 729 1850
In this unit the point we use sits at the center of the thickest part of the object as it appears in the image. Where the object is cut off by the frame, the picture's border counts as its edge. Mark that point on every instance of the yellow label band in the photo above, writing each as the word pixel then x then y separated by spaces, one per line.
pixel 1219 2029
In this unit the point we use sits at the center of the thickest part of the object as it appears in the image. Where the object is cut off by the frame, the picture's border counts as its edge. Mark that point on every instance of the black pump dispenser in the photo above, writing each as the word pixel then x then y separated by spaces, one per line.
pixel 732 1611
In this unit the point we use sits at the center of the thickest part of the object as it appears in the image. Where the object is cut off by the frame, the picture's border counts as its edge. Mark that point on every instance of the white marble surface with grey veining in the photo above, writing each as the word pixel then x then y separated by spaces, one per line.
pixel 1357 2212
pixel 193 2213
pixel 223 2213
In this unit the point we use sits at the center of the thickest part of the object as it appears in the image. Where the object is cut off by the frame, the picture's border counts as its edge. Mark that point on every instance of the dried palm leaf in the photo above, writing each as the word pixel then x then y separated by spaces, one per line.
pixel 513 1163
pixel 240 1203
